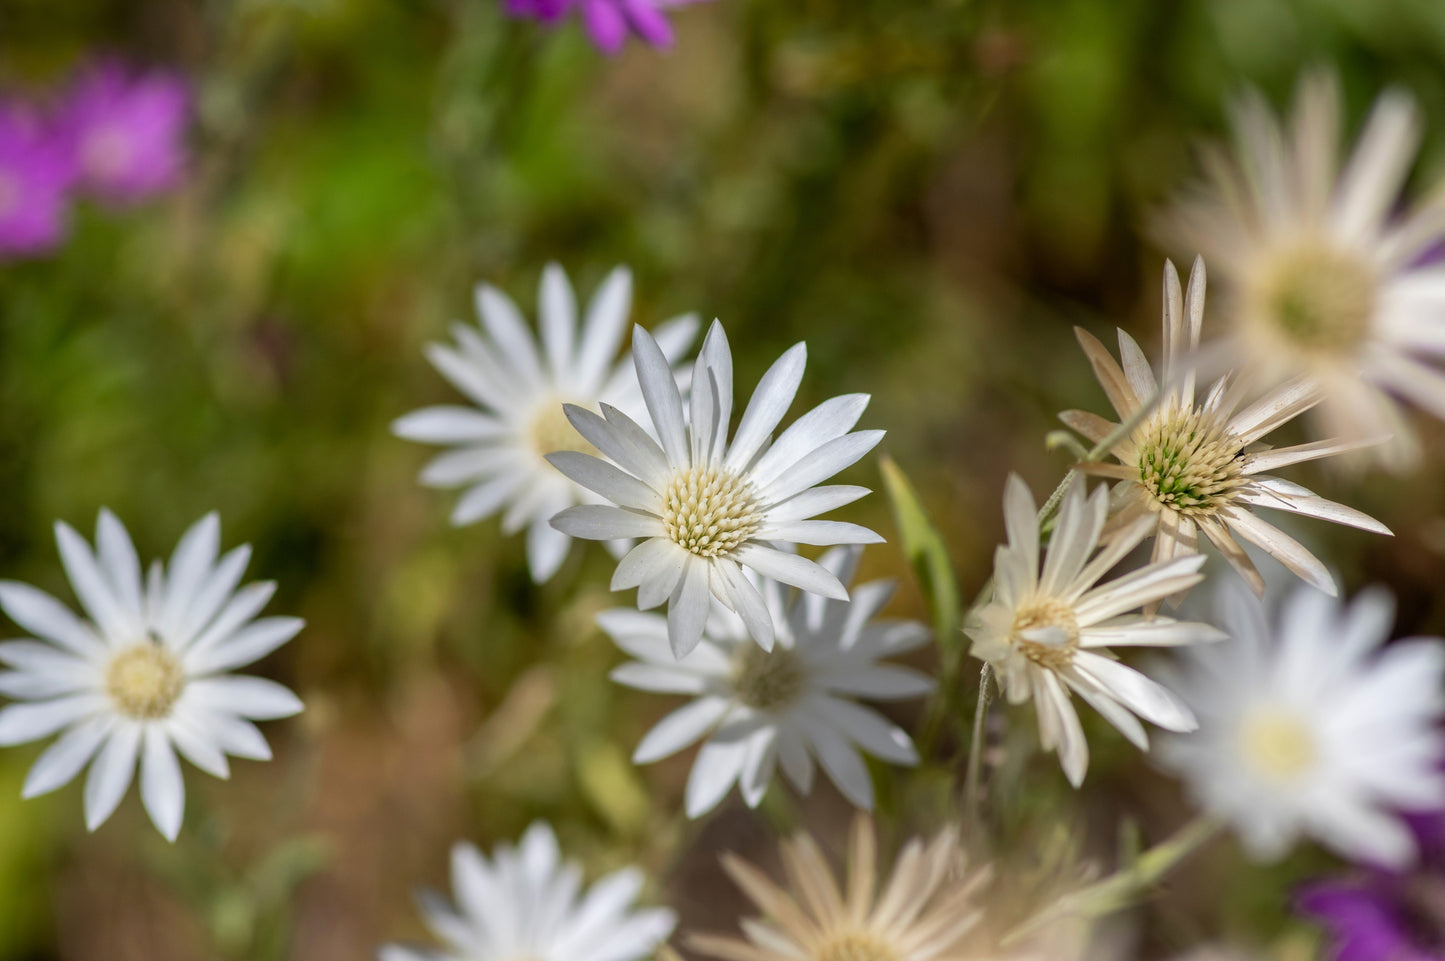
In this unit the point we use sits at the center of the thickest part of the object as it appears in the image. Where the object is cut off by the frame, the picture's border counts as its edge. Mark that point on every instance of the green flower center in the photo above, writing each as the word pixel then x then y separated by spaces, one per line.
pixel 709 511
pixel 144 681
pixel 1321 300
pixel 767 680
pixel 1046 631
pixel 1188 462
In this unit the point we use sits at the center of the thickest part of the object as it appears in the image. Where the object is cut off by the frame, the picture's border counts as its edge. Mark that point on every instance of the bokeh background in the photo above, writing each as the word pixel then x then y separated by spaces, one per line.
pixel 930 192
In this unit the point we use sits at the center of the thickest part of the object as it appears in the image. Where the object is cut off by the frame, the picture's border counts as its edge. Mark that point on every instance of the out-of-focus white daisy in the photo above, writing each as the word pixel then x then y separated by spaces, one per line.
pixel 925 910
pixel 1323 279
pixel 147 675
pixel 525 903
pixel 1196 465
pixel 519 388
pixel 706 508
pixel 789 706
pixel 1048 633
pixel 1312 728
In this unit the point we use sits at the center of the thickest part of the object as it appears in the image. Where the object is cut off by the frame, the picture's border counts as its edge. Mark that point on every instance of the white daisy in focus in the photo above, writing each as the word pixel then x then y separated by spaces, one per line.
pixel 1314 726
pixel 1047 634
pixel 705 508
pixel 1197 466
pixel 518 389
pixel 1324 279
pixel 147 675
pixel 790 706
pixel 525 903
pixel 925 910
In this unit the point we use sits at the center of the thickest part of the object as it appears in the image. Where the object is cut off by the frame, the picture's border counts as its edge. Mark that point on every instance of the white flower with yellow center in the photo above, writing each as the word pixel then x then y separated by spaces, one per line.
pixel 1324 280
pixel 147 676
pixel 525 903
pixel 707 509
pixel 518 389
pixel 1048 633
pixel 792 706
pixel 925 910
pixel 1197 465
pixel 1314 727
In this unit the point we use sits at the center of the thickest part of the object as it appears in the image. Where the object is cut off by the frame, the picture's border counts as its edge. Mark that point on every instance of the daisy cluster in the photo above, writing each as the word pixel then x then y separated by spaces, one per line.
pixel 1286 712
pixel 113 134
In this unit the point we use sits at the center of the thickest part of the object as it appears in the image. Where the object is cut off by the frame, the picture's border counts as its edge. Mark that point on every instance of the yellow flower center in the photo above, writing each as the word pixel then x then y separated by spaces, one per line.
pixel 767 680
pixel 144 681
pixel 550 431
pixel 709 511
pixel 854 946
pixel 1052 632
pixel 1187 461
pixel 1277 745
pixel 1321 300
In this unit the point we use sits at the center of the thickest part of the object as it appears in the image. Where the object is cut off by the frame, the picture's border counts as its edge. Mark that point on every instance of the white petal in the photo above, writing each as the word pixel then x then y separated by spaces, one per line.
pixel 44 616
pixel 595 474
pixel 601 522
pixel 814 501
pixel 681 728
pixel 660 393
pixel 657 563
pixel 31 721
pixel 819 464
pixel 791 569
pixel 603 328
pixel 92 587
pixel 688 608
pixel 250 644
pixel 719 764
pixel 449 425
pixel 770 401
pixel 1146 698
pixel 821 533
pixel 619 437
pixel 63 760
pixel 117 558
pixel 111 774
pixel 249 697
pixel 828 421
pixel 161 786
pixel 244 605
pixel 514 339
pixel 486 498
pixel 557 305
pixel 546 550
pixel 190 566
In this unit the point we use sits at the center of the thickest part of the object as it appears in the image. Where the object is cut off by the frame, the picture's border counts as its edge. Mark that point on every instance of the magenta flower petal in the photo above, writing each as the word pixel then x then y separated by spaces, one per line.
pixel 34 180
pixel 608 22
pixel 127 132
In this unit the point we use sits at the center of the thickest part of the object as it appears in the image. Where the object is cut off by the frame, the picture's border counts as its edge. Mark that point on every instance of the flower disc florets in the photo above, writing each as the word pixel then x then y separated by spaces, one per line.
pixel 767 680
pixel 1321 300
pixel 709 511
pixel 144 681
pixel 1188 461
pixel 1277 745
pixel 1046 632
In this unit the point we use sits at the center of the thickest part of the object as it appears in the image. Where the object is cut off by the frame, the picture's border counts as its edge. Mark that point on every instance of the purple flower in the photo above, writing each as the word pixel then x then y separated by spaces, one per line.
pixel 608 21
pixel 126 131
pixel 1382 915
pixel 34 177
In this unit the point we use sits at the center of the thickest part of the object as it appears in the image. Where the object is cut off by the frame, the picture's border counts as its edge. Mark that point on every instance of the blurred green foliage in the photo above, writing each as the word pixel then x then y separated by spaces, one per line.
pixel 930 192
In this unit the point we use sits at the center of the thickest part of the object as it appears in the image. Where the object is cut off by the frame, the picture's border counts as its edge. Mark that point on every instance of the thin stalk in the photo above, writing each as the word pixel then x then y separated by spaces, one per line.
pixel 971 798
pixel 1095 453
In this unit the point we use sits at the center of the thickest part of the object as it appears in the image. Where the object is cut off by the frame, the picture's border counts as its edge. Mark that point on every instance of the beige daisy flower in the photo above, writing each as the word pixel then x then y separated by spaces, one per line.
pixel 1324 279
pixel 925 910
pixel 1197 464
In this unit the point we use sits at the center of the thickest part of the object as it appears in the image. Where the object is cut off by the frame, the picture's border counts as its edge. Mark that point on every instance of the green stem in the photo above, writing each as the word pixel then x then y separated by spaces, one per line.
pixel 1126 885
pixel 971 797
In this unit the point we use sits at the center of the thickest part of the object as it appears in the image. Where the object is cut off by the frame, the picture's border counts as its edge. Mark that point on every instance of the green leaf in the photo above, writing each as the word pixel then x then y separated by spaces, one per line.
pixel 924 547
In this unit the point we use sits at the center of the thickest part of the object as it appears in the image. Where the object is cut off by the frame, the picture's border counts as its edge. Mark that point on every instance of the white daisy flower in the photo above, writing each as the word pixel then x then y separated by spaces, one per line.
pixel 519 389
pixel 1048 634
pixel 147 675
pixel 926 909
pixel 1314 727
pixel 525 903
pixel 792 705
pixel 1196 466
pixel 1324 279
pixel 706 508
